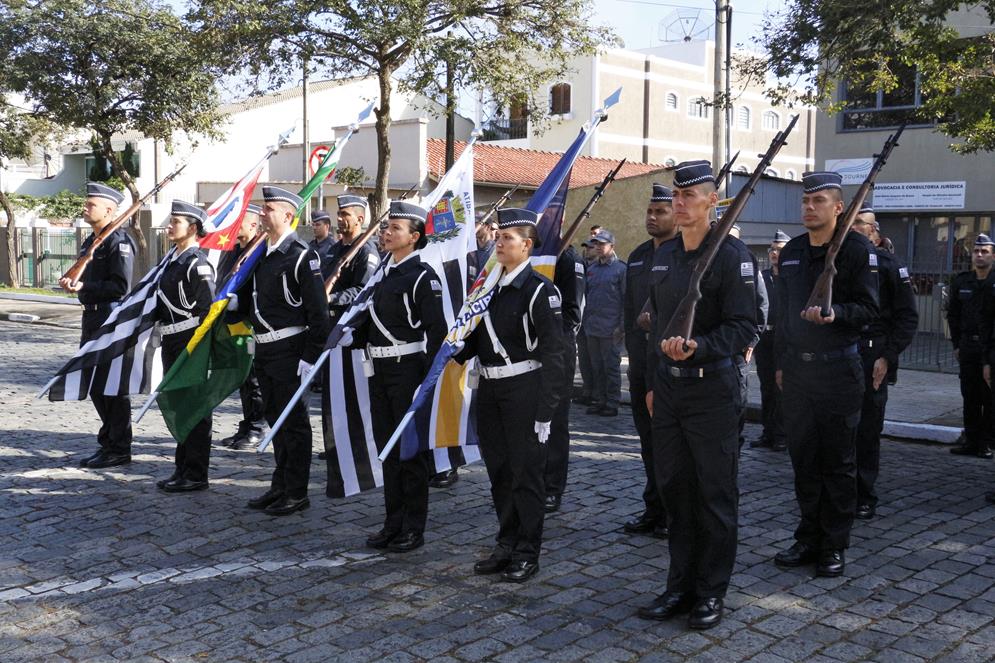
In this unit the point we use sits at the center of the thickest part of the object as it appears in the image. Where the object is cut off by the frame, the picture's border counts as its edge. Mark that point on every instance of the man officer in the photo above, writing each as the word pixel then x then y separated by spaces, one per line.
pixel 285 301
pixel 321 225
pixel 770 396
pixel 352 216
pixel 103 284
pixel 820 374
pixel 661 228
pixel 881 341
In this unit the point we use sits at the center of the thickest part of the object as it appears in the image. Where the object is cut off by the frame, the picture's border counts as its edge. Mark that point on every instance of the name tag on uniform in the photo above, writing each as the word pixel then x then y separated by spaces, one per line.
pixel 788 263
pixel 660 268
pixel 903 272
pixel 746 268
pixel 315 264
pixel 554 302
pixel 435 285
pixel 579 268
pixel 872 258
pixel 636 263
pixel 966 292
pixel 124 247
pixel 204 270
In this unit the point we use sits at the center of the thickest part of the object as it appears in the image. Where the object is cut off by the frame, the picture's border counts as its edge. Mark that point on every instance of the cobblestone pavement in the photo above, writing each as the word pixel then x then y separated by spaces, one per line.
pixel 98 565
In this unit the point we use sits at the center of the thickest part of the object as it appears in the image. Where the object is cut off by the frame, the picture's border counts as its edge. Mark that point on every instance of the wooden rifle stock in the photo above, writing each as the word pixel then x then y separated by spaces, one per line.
pixel 76 271
pixel 585 213
pixel 682 322
pixel 822 293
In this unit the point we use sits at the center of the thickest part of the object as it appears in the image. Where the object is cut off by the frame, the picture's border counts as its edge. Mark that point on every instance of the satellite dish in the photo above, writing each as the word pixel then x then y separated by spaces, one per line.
pixel 684 25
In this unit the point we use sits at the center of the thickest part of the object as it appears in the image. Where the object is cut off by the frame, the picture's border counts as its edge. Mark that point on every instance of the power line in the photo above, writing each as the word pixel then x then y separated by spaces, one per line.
pixel 675 6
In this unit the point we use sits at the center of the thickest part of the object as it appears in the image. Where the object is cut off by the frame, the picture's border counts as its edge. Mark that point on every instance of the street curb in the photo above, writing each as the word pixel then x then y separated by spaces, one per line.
pixel 921 432
pixel 44 299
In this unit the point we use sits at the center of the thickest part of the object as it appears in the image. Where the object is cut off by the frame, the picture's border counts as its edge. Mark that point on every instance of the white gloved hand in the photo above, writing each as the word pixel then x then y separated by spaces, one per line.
pixel 542 431
pixel 233 302
pixel 303 368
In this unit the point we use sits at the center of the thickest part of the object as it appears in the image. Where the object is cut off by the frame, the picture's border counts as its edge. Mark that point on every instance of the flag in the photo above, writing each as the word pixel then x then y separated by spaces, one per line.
pixel 225 217
pixel 119 360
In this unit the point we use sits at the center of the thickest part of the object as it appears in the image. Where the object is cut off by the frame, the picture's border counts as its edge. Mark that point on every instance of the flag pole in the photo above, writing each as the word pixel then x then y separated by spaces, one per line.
pixel 305 383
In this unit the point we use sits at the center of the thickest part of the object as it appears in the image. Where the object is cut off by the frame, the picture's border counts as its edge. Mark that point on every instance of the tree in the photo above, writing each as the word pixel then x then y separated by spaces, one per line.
pixel 18 133
pixel 821 43
pixel 109 66
pixel 507 46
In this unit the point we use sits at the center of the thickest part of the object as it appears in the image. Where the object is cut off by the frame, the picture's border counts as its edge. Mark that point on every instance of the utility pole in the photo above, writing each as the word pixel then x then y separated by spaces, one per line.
pixel 305 146
pixel 719 87
pixel 450 115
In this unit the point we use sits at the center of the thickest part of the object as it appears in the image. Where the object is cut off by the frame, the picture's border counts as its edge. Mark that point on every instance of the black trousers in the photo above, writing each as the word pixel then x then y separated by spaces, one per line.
pixel 770 395
pixel 405 483
pixel 869 431
pixel 744 394
pixel 696 456
pixel 278 380
pixel 558 444
pixel 515 462
pixel 193 455
pixel 638 387
pixel 977 401
pixel 115 434
pixel 822 403
pixel 252 404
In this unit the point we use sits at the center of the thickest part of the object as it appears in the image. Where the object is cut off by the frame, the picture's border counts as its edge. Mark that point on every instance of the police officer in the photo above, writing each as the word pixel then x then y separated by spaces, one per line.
pixel 321 225
pixel 253 425
pixel 770 396
pixel 520 346
pixel 603 325
pixel 286 303
pixel 881 341
pixel 661 229
pixel 569 279
pixel 821 376
pixel 103 284
pixel 184 295
pixel 402 335
pixel 352 216
pixel 697 402
pixel 970 294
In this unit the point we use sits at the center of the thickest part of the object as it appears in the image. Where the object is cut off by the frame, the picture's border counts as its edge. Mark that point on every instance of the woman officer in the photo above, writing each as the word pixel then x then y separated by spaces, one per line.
pixel 402 334
pixel 185 293
pixel 520 346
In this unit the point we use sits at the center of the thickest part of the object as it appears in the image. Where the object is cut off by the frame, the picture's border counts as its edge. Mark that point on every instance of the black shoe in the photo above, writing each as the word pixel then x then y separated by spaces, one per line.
pixel 985 453
pixel 250 440
pixel 287 505
pixel 667 605
pixel 109 460
pixel 406 542
pixel 269 497
pixel 232 440
pixel 779 445
pixel 661 531
pixel 865 511
pixel 706 613
pixel 608 412
pixel 161 483
pixel 831 564
pixel 798 554
pixel 594 409
pixel 964 450
pixel 322 455
pixel 644 524
pixel 444 479
pixel 990 497
pixel 184 486
pixel 552 503
pixel 519 571
pixel 84 462
pixel 582 400
pixel 381 539
pixel 761 442
pixel 491 565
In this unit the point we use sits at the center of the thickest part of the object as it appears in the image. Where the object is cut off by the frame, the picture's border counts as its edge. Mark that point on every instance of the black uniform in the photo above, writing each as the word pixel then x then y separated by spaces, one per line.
pixel 637 289
pixel 696 408
pixel 568 277
pixel 324 251
pixel 287 293
pixel 528 323
pixel 763 307
pixel 106 280
pixel 353 277
pixel 887 336
pixel 184 295
pixel 251 396
pixel 407 309
pixel 969 297
pixel 770 395
pixel 823 382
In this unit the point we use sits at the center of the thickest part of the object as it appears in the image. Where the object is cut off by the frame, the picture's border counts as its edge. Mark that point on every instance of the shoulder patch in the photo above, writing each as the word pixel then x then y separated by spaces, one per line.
pixel 660 268
pixel 315 264
pixel 204 270
pixel 124 247
pixel 903 272
pixel 746 268
pixel 788 263
pixel 554 301
pixel 436 285
pixel 635 263
pixel 872 258
pixel 579 268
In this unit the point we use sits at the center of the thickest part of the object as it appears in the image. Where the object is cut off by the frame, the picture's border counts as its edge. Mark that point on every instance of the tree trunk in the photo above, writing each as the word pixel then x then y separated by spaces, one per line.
pixel 11 248
pixel 121 171
pixel 380 197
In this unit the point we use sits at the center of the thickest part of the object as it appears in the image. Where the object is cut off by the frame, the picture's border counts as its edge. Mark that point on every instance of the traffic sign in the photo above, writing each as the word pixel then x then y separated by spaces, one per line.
pixel 317 154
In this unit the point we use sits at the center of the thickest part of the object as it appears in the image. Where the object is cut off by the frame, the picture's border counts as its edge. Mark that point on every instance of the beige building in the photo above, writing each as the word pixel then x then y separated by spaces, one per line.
pixel 662 116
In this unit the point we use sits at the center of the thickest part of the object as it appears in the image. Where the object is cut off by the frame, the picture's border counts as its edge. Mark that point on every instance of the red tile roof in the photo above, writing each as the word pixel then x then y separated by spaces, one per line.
pixel 512 165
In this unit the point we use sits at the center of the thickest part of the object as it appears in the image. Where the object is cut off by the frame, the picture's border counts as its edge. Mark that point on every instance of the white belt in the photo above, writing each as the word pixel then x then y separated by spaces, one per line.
pixel 392 351
pixel 176 328
pixel 510 370
pixel 279 334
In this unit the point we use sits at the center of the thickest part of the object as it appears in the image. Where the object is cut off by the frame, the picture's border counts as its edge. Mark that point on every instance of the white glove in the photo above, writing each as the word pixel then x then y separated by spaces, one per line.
pixel 303 369
pixel 233 302
pixel 542 431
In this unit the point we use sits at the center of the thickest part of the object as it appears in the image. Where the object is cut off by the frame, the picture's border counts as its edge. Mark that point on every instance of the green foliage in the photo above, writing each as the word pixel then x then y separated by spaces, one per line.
pixel 65 205
pixel 815 44
pixel 350 176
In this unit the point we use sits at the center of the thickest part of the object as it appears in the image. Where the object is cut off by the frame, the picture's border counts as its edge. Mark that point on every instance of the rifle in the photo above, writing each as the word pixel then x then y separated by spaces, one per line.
pixel 586 212
pixel 74 272
pixel 344 261
pixel 725 171
pixel 499 203
pixel 822 293
pixel 682 322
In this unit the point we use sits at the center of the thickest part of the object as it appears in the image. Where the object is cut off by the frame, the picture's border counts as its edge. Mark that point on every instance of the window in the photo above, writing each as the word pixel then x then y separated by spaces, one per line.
pixel 771 172
pixel 772 121
pixel 790 174
pixel 875 109
pixel 670 162
pixel 671 103
pixel 743 118
pixel 698 108
pixel 559 99
pixel 742 169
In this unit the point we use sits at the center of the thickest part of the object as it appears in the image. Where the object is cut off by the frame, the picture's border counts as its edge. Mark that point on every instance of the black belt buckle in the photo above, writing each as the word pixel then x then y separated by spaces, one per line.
pixel 807 356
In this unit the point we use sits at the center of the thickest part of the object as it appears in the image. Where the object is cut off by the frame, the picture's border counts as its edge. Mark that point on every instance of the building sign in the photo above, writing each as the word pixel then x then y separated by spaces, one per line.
pixel 854 171
pixel 919 195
